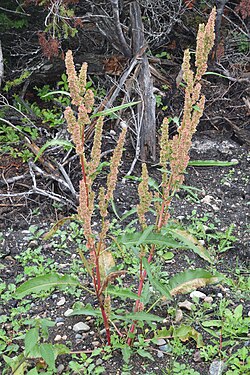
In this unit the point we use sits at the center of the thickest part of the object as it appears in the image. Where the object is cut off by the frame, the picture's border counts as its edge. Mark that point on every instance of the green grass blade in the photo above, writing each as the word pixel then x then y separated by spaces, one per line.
pixel 110 111
pixel 53 142
pixel 211 163
pixel 61 92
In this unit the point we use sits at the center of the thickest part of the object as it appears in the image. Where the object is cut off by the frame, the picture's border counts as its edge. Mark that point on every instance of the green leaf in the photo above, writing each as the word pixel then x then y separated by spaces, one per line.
pixel 87 310
pixel 57 225
pixel 189 280
pixel 114 209
pixel 192 243
pixel 128 213
pixel 61 92
pixel 184 333
pixel 212 323
pixel 145 296
pixel 33 372
pixel 168 255
pixel 143 353
pixel 110 111
pixel 156 283
pixel 126 353
pixel 144 235
pixel 132 239
pixel 141 316
pixel 45 283
pixel 53 142
pixel 211 163
pixel 238 312
pixel 47 353
pixel 122 292
pixel 30 340
pixel 18 364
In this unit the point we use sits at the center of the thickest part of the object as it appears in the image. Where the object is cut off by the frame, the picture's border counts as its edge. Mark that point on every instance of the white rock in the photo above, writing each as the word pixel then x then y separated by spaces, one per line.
pixel 197 294
pixel 178 316
pixel 60 369
pixel 61 301
pixel 78 327
pixel 58 338
pixel 68 312
pixel 216 368
pixel 186 305
pixel 208 299
pixel 210 201
pixel 161 342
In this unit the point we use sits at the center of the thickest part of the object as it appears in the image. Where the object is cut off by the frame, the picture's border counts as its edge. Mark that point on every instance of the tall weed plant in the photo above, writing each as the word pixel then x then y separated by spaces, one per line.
pixel 174 157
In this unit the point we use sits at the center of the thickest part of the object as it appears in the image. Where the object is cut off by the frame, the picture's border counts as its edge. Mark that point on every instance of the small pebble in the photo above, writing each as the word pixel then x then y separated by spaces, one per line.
pixel 68 312
pixel 59 320
pixel 64 337
pixel 160 354
pixel 58 338
pixel 78 336
pixel 61 302
pixel 59 324
pixel 81 327
pixel 208 299
pixel 161 342
pixel 178 316
pixel 216 368
pixel 99 362
pixel 165 348
pixel 186 305
pixel 60 369
pixel 197 294
pixel 95 343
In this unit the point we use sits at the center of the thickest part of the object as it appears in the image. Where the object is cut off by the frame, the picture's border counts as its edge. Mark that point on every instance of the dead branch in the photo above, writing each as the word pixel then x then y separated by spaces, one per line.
pixel 124 45
pixel 1 64
pixel 146 110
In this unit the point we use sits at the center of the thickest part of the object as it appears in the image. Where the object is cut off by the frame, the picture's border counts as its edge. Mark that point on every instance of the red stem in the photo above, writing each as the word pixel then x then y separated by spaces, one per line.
pixel 143 274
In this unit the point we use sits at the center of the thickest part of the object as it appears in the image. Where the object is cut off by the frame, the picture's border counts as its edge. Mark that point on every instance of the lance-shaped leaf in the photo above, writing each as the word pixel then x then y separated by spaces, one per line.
pixel 87 310
pixel 45 283
pixel 138 316
pixel 122 292
pixel 156 283
pixel 110 111
pixel 186 281
pixel 57 225
pixel 192 243
pixel 211 163
pixel 53 142
pixel 132 239
pixel 61 92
